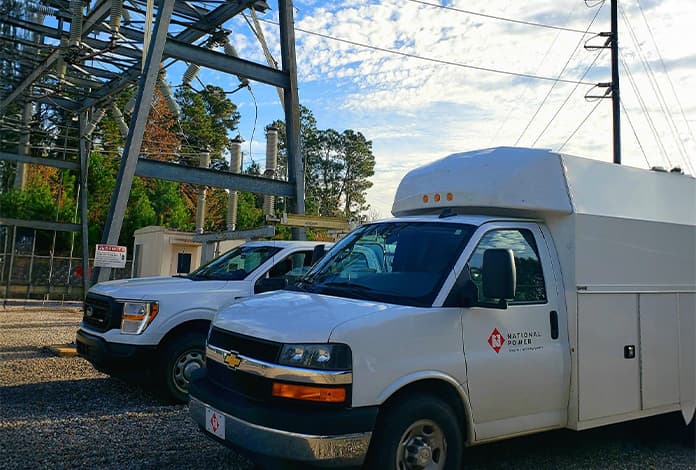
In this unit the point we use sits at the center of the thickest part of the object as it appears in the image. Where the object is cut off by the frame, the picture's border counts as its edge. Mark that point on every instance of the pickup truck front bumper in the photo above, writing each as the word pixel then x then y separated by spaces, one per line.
pixel 323 437
pixel 114 358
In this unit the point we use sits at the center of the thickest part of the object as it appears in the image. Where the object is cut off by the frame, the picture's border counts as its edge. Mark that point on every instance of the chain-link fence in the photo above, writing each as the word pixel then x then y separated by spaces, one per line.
pixel 27 271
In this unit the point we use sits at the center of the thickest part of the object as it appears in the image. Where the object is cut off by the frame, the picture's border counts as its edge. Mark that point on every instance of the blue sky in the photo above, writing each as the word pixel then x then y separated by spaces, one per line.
pixel 416 110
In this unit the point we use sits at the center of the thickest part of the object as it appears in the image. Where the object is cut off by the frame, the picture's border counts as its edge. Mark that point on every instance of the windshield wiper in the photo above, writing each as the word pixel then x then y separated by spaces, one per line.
pixel 348 284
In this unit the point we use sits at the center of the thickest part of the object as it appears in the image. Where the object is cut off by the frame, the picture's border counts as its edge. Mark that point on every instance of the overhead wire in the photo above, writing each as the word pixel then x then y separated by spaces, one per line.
pixel 635 134
pixel 664 69
pixel 655 87
pixel 644 108
pixel 517 101
pixel 579 126
pixel 501 18
pixel 560 108
pixel 560 74
pixel 431 59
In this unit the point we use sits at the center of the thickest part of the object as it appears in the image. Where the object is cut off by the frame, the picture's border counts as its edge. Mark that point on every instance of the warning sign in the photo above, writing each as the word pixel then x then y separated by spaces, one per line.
pixel 110 256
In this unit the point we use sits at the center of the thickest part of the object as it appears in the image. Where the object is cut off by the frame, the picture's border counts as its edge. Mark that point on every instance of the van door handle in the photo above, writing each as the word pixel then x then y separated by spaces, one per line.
pixel 553 318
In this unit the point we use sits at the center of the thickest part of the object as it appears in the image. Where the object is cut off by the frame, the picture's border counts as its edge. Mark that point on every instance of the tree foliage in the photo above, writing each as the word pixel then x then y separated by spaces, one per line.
pixel 338 166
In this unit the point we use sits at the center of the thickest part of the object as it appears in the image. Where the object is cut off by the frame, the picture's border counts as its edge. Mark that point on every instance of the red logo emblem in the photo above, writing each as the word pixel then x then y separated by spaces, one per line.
pixel 496 340
pixel 214 423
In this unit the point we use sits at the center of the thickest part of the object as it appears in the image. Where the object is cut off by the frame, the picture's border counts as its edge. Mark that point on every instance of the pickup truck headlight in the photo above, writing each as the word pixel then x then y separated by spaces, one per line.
pixel 137 316
pixel 316 356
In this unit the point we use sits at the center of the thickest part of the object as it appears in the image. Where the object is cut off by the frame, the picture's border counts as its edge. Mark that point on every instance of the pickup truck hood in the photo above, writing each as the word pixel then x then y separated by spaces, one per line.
pixel 152 288
pixel 293 317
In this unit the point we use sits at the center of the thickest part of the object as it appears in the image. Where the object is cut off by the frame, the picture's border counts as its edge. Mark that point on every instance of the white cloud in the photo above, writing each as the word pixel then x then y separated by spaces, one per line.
pixel 416 111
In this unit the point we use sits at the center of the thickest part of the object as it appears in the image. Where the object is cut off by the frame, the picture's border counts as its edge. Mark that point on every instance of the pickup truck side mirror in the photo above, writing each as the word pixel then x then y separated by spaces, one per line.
pixel 269 284
pixel 318 253
pixel 498 274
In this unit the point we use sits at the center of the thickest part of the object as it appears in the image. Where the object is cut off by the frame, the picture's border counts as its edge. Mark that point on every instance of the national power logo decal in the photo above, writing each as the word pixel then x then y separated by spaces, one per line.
pixel 496 340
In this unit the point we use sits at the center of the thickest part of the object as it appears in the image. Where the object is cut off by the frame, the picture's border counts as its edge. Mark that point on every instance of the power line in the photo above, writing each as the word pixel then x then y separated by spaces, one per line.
pixel 430 59
pixel 541 105
pixel 579 126
pixel 635 134
pixel 656 89
pixel 664 69
pixel 526 87
pixel 566 100
pixel 501 18
pixel 655 86
pixel 644 108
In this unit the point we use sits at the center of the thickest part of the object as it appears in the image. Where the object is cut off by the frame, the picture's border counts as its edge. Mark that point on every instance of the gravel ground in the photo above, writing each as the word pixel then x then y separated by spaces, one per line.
pixel 58 412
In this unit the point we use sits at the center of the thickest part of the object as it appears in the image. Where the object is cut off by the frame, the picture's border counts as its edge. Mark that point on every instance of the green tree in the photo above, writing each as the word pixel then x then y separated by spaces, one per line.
pixel 206 118
pixel 337 167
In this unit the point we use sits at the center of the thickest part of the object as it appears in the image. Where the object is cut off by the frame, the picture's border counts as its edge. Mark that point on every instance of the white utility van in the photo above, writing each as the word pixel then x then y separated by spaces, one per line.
pixel 155 327
pixel 515 291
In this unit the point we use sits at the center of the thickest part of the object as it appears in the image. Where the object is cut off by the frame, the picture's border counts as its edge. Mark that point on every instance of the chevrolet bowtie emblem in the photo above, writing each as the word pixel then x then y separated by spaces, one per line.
pixel 232 360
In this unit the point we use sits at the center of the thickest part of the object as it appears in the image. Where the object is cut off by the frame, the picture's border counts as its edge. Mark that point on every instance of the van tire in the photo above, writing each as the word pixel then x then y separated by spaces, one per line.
pixel 417 426
pixel 690 434
pixel 180 356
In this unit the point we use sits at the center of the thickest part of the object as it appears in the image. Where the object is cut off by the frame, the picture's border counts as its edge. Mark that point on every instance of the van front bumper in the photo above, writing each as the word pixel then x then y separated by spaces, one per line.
pixel 338 450
pixel 326 438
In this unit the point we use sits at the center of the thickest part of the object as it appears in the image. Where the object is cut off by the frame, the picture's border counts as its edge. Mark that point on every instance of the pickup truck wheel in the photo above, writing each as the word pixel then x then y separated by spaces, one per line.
pixel 181 356
pixel 419 432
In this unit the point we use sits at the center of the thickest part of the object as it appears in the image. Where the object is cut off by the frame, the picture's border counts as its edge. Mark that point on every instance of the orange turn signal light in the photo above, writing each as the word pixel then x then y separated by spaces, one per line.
pixel 309 393
pixel 437 197
pixel 425 198
pixel 450 196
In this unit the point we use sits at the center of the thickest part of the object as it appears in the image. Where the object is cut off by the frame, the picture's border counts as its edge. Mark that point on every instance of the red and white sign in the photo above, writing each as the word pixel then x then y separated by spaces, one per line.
pixel 110 256
pixel 496 340
pixel 215 423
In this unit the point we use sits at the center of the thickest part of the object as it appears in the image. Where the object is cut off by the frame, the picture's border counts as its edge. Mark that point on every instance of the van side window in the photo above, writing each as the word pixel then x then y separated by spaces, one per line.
pixel 530 277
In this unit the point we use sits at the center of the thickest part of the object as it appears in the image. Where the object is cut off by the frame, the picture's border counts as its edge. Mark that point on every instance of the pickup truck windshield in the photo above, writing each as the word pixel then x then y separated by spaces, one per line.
pixel 399 262
pixel 234 265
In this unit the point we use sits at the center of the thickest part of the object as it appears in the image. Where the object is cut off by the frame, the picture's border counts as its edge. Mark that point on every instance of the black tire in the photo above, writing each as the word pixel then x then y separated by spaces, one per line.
pixel 417 426
pixel 180 356
pixel 690 437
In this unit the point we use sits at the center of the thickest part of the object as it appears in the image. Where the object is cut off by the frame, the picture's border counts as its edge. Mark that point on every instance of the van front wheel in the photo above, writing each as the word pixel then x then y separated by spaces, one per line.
pixel 419 432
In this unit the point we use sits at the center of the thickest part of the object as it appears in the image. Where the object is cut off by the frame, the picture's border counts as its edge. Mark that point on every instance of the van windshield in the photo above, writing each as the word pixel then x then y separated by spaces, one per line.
pixel 234 265
pixel 396 262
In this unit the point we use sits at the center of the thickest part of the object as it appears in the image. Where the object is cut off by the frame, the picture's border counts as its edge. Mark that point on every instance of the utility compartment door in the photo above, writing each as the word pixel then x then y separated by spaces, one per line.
pixel 659 349
pixel 608 380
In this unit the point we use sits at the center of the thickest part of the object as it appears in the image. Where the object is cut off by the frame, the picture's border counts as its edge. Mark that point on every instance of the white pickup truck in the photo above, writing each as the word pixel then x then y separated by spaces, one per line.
pixel 516 291
pixel 155 327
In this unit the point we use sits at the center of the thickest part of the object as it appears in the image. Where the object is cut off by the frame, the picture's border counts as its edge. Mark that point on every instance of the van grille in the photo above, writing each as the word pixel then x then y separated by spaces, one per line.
pixel 254 348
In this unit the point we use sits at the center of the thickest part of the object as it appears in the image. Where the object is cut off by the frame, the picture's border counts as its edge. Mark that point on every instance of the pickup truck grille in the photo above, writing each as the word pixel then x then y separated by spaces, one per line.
pixel 102 313
pixel 245 345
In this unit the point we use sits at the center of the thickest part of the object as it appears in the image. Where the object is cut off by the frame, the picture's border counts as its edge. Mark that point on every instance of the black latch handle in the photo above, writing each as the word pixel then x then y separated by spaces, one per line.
pixel 553 318
pixel 629 351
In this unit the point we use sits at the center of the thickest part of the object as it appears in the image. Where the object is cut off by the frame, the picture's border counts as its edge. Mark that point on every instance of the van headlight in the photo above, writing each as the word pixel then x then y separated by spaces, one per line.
pixel 317 356
pixel 137 316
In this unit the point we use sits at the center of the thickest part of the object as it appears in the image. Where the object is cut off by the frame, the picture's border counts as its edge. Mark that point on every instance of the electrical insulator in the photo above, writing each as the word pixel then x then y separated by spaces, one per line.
pixel 76 7
pixel 96 119
pixel 118 117
pixel 115 18
pixel 169 97
pixel 191 73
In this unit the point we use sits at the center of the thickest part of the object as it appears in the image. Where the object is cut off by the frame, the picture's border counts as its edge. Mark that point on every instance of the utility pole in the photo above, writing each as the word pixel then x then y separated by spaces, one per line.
pixel 615 97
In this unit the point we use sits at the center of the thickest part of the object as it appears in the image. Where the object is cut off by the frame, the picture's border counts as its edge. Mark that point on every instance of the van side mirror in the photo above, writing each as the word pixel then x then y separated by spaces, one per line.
pixel 267 285
pixel 498 274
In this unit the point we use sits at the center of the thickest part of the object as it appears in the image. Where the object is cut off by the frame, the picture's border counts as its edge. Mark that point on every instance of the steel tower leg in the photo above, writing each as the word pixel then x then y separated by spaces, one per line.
pixel 146 87
pixel 292 112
